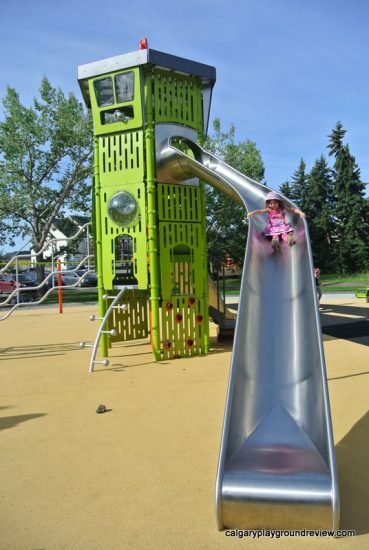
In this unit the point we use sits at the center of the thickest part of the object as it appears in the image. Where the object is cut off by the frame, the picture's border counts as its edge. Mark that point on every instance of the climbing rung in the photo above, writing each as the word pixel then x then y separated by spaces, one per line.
pixel 85 345
pixel 105 362
pixel 95 318
pixel 112 332
pixel 107 297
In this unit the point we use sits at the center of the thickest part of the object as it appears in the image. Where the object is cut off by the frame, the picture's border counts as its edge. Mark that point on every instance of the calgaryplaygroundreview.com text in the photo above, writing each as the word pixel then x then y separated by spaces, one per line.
pixel 276 534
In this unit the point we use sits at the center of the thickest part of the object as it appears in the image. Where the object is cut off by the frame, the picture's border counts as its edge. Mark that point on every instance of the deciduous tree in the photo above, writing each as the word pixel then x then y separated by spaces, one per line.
pixel 226 229
pixel 46 153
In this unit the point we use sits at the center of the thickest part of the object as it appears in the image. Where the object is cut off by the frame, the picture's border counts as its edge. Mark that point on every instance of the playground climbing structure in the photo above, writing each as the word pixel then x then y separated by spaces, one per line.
pixel 149 232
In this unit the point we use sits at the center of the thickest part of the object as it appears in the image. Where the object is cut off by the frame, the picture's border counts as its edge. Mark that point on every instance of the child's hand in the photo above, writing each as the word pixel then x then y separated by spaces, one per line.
pixel 302 214
pixel 250 214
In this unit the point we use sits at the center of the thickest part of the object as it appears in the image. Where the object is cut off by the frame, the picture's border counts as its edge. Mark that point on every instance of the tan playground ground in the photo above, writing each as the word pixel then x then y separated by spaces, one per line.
pixel 141 476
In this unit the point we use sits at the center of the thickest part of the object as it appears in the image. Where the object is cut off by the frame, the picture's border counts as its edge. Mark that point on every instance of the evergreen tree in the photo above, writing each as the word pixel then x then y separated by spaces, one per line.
pixel 299 185
pixel 318 209
pixel 351 209
pixel 285 189
pixel 226 229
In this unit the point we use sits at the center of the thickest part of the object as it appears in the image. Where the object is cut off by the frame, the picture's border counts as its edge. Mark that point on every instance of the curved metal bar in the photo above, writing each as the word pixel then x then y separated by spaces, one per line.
pixel 102 326
pixel 46 245
pixel 51 274
pixel 31 304
pixel 276 465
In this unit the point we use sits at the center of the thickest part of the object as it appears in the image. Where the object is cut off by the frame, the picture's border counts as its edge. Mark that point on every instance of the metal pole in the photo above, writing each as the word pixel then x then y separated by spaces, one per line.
pixel 98 244
pixel 16 278
pixel 205 269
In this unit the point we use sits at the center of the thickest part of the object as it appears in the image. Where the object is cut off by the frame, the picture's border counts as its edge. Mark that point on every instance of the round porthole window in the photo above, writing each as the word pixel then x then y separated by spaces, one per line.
pixel 123 209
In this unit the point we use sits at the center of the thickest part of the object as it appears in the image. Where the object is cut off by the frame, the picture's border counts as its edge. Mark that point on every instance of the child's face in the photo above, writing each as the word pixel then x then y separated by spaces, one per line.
pixel 273 204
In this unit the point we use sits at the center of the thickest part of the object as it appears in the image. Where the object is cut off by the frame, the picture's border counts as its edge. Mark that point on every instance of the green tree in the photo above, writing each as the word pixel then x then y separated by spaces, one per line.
pixel 46 161
pixel 318 209
pixel 286 190
pixel 351 209
pixel 226 229
pixel 298 187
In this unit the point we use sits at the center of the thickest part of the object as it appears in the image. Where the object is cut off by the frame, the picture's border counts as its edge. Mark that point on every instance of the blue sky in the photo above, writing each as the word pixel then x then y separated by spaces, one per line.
pixel 287 70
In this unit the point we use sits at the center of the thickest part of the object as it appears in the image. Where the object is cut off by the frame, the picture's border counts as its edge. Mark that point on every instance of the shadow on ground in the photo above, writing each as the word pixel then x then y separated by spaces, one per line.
pixel 335 322
pixel 12 421
pixel 352 455
pixel 37 350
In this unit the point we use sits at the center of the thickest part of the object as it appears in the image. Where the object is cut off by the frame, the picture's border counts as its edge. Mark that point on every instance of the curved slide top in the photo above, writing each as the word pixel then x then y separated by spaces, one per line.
pixel 276 467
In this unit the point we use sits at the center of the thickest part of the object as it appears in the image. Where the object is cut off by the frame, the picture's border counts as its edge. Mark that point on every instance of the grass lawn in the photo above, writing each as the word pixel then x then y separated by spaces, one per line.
pixel 71 296
pixel 330 283
pixel 344 283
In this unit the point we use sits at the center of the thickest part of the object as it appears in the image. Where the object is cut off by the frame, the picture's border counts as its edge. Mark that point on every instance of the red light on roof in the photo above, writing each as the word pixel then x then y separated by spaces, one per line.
pixel 144 44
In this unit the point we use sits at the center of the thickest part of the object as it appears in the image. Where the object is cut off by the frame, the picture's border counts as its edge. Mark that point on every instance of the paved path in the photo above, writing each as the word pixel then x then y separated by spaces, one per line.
pixel 141 476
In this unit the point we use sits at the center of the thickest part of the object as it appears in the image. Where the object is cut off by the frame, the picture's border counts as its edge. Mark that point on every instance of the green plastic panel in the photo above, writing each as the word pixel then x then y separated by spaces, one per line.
pixel 183 327
pixel 132 322
pixel 111 232
pixel 179 202
pixel 121 168
pixel 121 158
pixel 177 98
pixel 181 259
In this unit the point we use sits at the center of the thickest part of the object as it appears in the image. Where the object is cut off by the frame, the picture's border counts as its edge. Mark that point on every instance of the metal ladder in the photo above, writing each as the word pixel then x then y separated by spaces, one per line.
pixel 112 332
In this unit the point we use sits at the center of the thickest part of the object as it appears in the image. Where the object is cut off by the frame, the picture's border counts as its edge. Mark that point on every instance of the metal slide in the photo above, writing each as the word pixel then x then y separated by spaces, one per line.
pixel 276 466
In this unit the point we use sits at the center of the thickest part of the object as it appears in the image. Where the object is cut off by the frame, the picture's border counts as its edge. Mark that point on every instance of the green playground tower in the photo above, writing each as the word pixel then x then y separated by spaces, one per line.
pixel 149 233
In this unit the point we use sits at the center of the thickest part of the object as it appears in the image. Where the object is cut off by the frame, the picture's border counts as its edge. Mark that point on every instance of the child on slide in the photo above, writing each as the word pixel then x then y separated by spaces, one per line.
pixel 277 228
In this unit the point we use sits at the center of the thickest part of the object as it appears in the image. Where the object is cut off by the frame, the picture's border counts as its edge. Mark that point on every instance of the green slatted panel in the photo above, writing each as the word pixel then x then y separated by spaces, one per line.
pixel 177 98
pixel 111 232
pixel 182 286
pixel 121 164
pixel 181 243
pixel 131 323
pixel 121 158
pixel 182 276
pixel 179 202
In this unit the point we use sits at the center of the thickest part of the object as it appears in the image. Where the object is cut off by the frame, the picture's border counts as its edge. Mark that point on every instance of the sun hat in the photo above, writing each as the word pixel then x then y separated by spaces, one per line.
pixel 272 195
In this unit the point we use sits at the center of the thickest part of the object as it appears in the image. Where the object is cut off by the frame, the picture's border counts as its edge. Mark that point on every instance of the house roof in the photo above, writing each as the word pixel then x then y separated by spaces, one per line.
pixel 70 224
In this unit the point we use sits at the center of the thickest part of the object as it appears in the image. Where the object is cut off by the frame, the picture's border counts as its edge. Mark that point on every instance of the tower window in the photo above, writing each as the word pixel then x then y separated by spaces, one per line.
pixel 124 87
pixel 104 91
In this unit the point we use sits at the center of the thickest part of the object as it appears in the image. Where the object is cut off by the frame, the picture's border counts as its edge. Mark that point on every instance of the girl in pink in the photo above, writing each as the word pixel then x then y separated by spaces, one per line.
pixel 277 228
